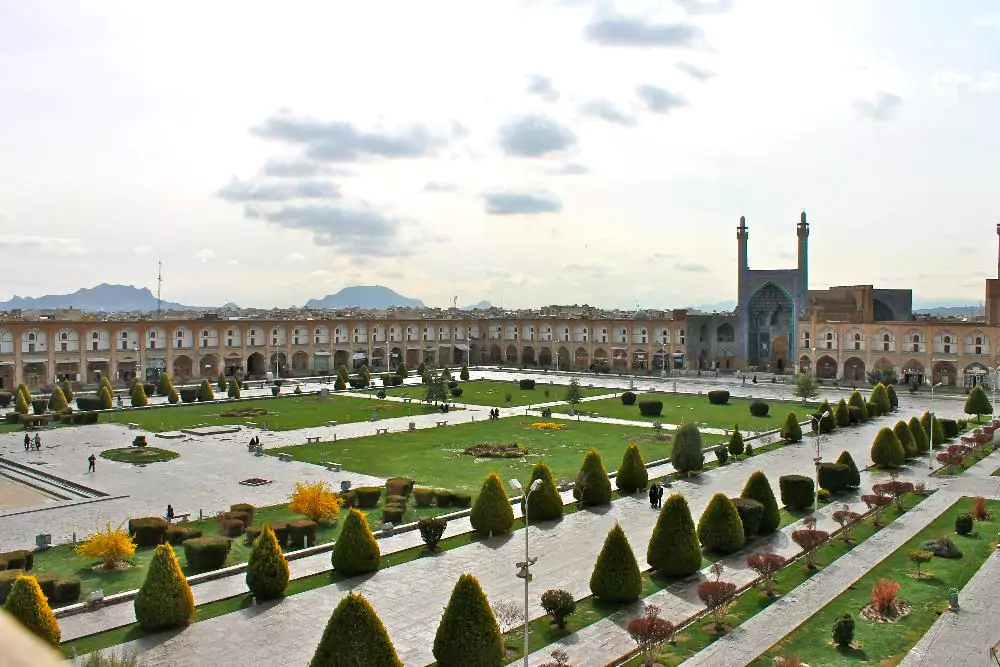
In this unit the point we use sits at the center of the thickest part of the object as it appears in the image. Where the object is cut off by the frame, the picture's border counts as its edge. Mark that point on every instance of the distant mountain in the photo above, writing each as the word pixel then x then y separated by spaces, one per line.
pixel 718 306
pixel 364 296
pixel 951 311
pixel 103 298
pixel 482 305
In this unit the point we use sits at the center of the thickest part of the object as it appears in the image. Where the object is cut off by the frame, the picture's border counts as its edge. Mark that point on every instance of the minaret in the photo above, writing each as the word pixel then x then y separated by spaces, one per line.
pixel 802 230
pixel 998 252
pixel 742 234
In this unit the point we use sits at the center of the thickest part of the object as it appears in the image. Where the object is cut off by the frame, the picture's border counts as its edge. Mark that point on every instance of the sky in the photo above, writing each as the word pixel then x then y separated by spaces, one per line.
pixel 525 152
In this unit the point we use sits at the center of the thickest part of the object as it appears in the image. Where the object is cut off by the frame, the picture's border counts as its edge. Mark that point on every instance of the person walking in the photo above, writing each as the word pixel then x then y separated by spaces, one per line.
pixel 27 442
pixel 91 463
pixel 659 496
pixel 652 495
pixel 38 442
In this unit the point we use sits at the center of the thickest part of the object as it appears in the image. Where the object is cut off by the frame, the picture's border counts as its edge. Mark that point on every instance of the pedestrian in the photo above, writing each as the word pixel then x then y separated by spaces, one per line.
pixel 659 496
pixel 27 442
pixel 38 442
pixel 652 495
pixel 170 512
pixel 91 463
pixel 755 379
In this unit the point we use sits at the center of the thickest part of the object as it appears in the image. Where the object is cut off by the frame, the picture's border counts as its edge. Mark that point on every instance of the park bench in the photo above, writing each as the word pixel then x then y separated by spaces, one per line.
pixel 441 423
pixel 333 467
pixel 407 399
pixel 311 439
pixel 381 431
pixel 178 517
pixel 133 427
pixel 330 423
pixel 284 457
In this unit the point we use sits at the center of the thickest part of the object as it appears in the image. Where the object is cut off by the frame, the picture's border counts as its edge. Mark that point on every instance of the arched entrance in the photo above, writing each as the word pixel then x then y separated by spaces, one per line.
pixel 563 358
pixel 395 358
pixel 98 369
pixel 278 362
pixel 256 366
pixel 528 356
pixel 854 370
pixel 511 356
pixel 358 359
pixel 378 359
pixel 495 354
pixel 805 364
pixel 601 359
pixel 35 374
pixel 234 365
pixel 208 366
pixel 300 363
pixel 7 376
pixel 581 358
pixel 545 356
pixel 770 325
pixel 913 372
pixel 826 368
pixel 182 368
pixel 883 365
pixel 945 373
pixel 341 358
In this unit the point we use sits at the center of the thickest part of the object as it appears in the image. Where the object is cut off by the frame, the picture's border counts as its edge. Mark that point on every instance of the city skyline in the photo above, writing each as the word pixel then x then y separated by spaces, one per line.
pixel 545 152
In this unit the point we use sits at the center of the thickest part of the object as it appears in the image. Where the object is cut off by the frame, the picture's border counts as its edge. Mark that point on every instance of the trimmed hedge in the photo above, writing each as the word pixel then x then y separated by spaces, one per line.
pixel 845 458
pixel 177 534
pixel 628 398
pixel 905 436
pixel 873 410
pixel 751 513
pixel 938 438
pixel 468 634
pixel 791 431
pixel 890 390
pixel 834 477
pixel 919 435
pixel 301 533
pixel 492 513
pixel 826 424
pixel 355 635
pixel 720 528
pixel 368 496
pixel 356 551
pixel 650 408
pixel 267 570
pixel 842 414
pixel 880 398
pixel 674 549
pixel 545 503
pixel 797 491
pixel 950 428
pixel 165 600
pixel 399 486
pixel 686 455
pixel 423 496
pixel 632 474
pixel 855 414
pixel 616 576
pixel 526 384
pixel 189 394
pixel 759 408
pixel 887 451
pixel 718 397
pixel 19 559
pixel 206 553
pixel 148 531
pixel 592 484
pixel 859 402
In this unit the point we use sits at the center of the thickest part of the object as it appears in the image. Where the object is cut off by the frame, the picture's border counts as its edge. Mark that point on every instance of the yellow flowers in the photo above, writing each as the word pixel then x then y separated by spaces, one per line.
pixel 111 545
pixel 317 501
pixel 547 426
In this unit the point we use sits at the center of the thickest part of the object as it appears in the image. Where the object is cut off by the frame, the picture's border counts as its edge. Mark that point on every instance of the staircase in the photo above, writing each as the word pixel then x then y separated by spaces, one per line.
pixel 51 485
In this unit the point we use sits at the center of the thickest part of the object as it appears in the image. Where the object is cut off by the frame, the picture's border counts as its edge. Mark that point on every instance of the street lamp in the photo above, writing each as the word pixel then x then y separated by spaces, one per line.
pixel 138 366
pixel 819 435
pixel 930 435
pixel 524 568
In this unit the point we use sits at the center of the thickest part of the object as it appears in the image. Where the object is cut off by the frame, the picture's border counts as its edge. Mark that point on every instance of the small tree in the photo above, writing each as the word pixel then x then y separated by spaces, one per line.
pixel 806 387
pixel 649 631
pixel 810 539
pixel 919 435
pixel 767 565
pixel 546 502
pixel 402 371
pixel 876 503
pixel 67 390
pixel 431 530
pixel 492 513
pixel 847 521
pixel 935 432
pixel 887 450
pixel 895 488
pixel 686 455
pixel 355 635
pixel 365 375
pixel 736 442
pixel 28 605
pixel 508 614
pixel 674 549
pixel 718 597
pixel 720 528
pixel 759 489
pixel 558 604
pixel 316 500
pixel 165 600
pixel 221 383
pixel 163 384
pixel 846 459
pixel 436 390
pixel 573 395
pixel 843 630
pixel 616 576
pixel 593 486
pixel 884 597
pixel 139 398
pixel 422 369
pixel 233 390
pixel 790 430
pixel 880 397
pixel 356 551
pixel 919 557
pixel 340 384
pixel 464 373
pixel 267 569
pixel 890 390
pixel 841 414
pixel 112 545
pixel 205 392
pixel 57 400
pixel 632 475
pixel 173 397
pixel 978 403
pixel 468 633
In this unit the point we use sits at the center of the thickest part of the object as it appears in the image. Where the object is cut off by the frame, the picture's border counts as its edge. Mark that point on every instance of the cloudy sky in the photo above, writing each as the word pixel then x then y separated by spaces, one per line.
pixel 522 151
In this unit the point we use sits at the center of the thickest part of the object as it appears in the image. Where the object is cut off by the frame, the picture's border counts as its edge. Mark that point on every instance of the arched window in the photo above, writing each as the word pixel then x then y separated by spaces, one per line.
pixel 95 336
pixel 124 335
pixel 829 340
pixel 947 344
pixel 64 336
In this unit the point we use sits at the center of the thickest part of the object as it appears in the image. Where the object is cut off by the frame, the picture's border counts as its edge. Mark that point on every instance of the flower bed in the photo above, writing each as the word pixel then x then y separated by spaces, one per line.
pixel 546 426
pixel 489 450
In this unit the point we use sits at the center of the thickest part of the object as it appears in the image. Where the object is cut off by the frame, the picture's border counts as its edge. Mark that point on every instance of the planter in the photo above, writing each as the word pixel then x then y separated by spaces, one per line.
pixel 953 600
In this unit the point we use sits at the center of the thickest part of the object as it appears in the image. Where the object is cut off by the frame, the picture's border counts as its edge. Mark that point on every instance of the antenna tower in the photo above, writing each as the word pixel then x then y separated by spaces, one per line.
pixel 159 285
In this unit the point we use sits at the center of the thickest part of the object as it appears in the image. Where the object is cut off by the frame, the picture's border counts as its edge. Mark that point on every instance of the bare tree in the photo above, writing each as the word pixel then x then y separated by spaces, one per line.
pixel 847 520
pixel 508 614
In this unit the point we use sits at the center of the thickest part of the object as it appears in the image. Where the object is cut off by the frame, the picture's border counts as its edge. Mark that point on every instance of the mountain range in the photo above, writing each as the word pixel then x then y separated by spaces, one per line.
pixel 365 296
pixel 104 297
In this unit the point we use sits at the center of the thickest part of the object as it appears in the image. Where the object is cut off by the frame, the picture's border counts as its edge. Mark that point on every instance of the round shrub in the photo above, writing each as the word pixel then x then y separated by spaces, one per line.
pixel 398 486
pixel 855 477
pixel 368 496
pixel 842 414
pixel 301 533
pixel 67 590
pixel 246 508
pixel 834 477
pixel 616 576
pixel 526 384
pixel 790 430
pixel 632 474
pixel 592 484
pixel 823 495
pixel 963 524
pixel 720 529
pixel 650 408
pixel 628 398
pixel 855 414
pixel 674 549
pixel 206 553
pixel 950 428
pixel 423 496
pixel 759 409
pixel 251 534
pixel 392 514
pixel 452 384
pixel 546 502
pixel 356 551
pixel 686 455
pixel 148 531
pixel 826 424
pixel 165 600
pixel 492 513
pixel 246 518
pixel 843 630
pixel 189 394
pixel 759 489
pixel 558 604
pixel 456 391
pixel 232 527
pixel 462 500
pixel 887 451
pixel 177 534
pixel 751 512
pixel 718 397
pixel 797 491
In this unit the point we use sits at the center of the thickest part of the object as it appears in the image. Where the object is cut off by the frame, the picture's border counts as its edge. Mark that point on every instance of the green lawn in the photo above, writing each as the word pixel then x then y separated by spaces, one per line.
pixel 434 457
pixel 972 459
pixel 139 455
pixel 493 393
pixel 681 408
pixel 283 413
pixel 887 644
pixel 65 562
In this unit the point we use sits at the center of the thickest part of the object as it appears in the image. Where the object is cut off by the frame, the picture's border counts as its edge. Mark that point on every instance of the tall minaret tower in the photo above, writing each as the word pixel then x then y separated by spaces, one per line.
pixel 743 265
pixel 802 230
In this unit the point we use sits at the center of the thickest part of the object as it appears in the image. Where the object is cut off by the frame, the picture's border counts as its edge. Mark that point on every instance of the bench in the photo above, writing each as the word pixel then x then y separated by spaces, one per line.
pixel 284 457
pixel 381 431
pixel 441 423
pixel 407 399
pixel 178 517
pixel 310 440
pixel 133 427
pixel 330 424
pixel 333 467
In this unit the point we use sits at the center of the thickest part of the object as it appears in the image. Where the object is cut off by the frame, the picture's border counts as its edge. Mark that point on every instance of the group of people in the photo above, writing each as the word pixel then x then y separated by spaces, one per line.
pixel 30 443
pixel 444 407
pixel 495 413
pixel 253 444
pixel 655 495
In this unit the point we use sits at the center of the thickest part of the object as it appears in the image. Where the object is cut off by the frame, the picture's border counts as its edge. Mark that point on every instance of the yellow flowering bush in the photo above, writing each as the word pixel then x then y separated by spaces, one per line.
pixel 111 545
pixel 317 501
pixel 547 426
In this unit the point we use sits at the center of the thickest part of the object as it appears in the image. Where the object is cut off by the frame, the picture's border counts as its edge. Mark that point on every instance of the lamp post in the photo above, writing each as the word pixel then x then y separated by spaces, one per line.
pixel 930 435
pixel 524 568
pixel 819 441
pixel 138 366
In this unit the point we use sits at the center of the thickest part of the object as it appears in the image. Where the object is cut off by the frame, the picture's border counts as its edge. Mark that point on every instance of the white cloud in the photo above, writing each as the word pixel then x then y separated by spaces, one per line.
pixel 983 82
pixel 204 255
pixel 295 257
pixel 233 262
pixel 42 246
pixel 143 250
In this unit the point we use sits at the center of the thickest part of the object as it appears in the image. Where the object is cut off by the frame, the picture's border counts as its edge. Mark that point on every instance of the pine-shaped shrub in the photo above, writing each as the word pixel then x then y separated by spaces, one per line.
pixel 790 430
pixel 978 403
pixel 355 635
pixel 846 459
pixel 468 634
pixel 164 384
pixel 736 442
pixel 826 424
pixel 858 401
pixel 880 397
pixel 356 551
pixel 464 373
pixel 674 549
pixel 233 390
pixel 104 395
pixel 172 396
pixel 67 390
pixel 592 484
pixel 165 600
pixel 919 435
pixel 841 414
pixel 57 401
pixel 759 489
pixel 686 455
pixel 545 503
pixel 890 391
pixel 492 513
pixel 937 437
pixel 632 475
pixel 27 604
pixel 21 406
pixel 267 569
pixel 221 383
pixel 139 398
pixel 616 575
pixel 205 392
pixel 902 431
pixel 887 451
pixel 720 528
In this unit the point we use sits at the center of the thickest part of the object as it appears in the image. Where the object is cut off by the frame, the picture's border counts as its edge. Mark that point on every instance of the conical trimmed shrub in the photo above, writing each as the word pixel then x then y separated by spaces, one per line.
pixel 938 436
pixel 165 600
pixel 546 503
pixel 592 484
pixel 846 459
pixel 674 549
pixel 632 474
pixel 492 513
pixel 887 451
pixel 902 431
pixel 720 529
pixel 205 392
pixel 173 398
pixel 468 633
pixel 759 489
pixel 464 373
pixel 978 403
pixel 859 402
pixel 57 400
pixel 919 435
pixel 267 569
pixel 890 391
pixel 826 424
pixel 616 576
pixel 104 395
pixel 686 455
pixel 841 414
pixel 164 384
pixel 791 430
pixel 139 398
pixel 736 446
pixel 880 397
pixel 355 635
pixel 67 390
pixel 20 404
pixel 233 390
pixel 28 605
pixel 356 551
